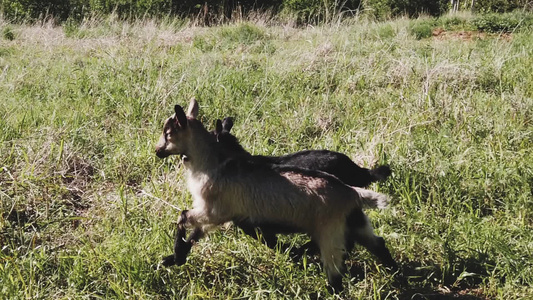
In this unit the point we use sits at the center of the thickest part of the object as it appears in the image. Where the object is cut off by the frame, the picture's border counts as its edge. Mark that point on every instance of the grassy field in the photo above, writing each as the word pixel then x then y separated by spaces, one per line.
pixel 88 210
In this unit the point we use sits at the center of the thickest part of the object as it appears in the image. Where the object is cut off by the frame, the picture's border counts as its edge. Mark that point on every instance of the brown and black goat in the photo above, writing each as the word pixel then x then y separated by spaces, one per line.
pixel 226 188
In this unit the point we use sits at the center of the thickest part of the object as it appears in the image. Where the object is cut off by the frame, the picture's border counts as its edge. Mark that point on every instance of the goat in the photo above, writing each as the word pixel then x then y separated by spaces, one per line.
pixel 334 163
pixel 331 162
pixel 235 188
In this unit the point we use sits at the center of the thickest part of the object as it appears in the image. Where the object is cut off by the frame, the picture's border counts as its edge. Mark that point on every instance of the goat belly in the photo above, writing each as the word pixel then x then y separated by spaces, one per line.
pixel 290 198
pixel 282 228
pixel 279 227
pixel 275 202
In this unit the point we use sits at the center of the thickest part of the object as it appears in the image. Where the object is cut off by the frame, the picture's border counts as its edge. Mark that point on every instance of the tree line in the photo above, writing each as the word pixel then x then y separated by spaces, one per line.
pixel 305 10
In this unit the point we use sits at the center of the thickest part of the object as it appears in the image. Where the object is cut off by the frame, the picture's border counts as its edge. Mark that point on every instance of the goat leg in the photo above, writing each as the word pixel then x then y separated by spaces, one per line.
pixel 182 250
pixel 179 243
pixel 182 246
pixel 309 248
pixel 258 232
pixel 361 232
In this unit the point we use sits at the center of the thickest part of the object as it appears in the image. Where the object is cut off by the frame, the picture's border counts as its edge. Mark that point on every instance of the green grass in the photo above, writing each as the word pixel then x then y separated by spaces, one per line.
pixel 87 210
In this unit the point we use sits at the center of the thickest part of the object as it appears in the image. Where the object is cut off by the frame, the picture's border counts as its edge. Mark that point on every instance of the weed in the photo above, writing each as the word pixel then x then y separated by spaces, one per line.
pixel 386 31
pixel 8 33
pixel 242 34
pixel 71 28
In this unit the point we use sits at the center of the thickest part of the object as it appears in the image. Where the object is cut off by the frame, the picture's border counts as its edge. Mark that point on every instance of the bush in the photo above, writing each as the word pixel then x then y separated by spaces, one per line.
pixel 131 8
pixel 500 6
pixel 506 22
pixel 248 36
pixel 22 10
pixel 413 8
pixel 386 31
pixel 305 10
pixel 245 34
pixel 421 30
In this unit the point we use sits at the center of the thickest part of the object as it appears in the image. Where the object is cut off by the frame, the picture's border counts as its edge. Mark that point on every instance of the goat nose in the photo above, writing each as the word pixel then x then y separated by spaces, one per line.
pixel 160 153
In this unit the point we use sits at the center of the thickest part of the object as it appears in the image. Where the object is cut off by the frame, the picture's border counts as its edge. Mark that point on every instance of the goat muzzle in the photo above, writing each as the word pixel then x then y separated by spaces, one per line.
pixel 161 153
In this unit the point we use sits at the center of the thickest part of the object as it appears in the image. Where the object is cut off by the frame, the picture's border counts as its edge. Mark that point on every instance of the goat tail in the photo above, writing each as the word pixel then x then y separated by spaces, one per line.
pixel 380 173
pixel 371 199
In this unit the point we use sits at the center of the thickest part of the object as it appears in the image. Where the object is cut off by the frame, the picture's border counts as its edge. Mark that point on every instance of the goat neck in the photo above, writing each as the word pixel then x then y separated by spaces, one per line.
pixel 201 155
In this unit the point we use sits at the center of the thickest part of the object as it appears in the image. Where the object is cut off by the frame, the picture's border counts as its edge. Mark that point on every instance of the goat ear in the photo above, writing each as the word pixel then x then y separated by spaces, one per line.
pixel 181 119
pixel 218 127
pixel 192 112
pixel 227 124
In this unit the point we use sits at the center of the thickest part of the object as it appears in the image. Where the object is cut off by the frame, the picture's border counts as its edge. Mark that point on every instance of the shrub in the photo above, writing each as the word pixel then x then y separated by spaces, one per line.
pixel 243 34
pixel 305 10
pixel 454 23
pixel 500 6
pixel 506 22
pixel 386 31
pixel 21 10
pixel 61 10
pixel 413 8
pixel 232 37
pixel 132 8
pixel 71 28
pixel 421 30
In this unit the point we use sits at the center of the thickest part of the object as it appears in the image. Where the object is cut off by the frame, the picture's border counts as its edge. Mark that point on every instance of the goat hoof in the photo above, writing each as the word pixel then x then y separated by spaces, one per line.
pixel 334 290
pixel 391 265
pixel 168 261
pixel 400 279
pixel 335 285
pixel 180 260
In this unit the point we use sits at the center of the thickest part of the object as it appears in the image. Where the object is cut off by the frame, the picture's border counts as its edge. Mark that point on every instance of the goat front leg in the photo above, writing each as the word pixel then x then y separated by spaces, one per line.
pixel 179 242
pixel 182 246
pixel 194 218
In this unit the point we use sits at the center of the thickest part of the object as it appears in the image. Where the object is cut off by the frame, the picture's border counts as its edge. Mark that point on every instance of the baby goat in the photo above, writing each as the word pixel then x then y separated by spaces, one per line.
pixel 334 163
pixel 234 188
pixel 331 162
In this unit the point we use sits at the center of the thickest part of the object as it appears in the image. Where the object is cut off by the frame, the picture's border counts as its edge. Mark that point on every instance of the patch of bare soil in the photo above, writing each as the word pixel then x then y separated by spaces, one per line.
pixel 441 34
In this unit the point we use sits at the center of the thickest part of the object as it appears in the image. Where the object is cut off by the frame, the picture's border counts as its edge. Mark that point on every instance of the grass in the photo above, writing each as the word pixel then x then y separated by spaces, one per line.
pixel 87 210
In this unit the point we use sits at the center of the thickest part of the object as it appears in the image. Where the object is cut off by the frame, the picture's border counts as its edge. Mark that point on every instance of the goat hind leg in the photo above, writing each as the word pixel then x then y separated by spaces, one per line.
pixel 259 233
pixel 332 252
pixel 364 235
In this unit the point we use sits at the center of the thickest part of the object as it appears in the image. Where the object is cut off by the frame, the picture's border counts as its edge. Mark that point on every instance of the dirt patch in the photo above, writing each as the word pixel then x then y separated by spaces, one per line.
pixel 441 34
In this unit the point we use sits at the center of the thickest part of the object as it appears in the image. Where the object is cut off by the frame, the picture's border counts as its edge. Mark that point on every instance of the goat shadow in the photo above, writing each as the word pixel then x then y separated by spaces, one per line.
pixel 417 281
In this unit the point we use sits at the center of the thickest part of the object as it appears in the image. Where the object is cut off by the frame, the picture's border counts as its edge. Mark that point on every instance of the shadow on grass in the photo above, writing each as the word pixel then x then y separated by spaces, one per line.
pixel 429 282
pixel 416 281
